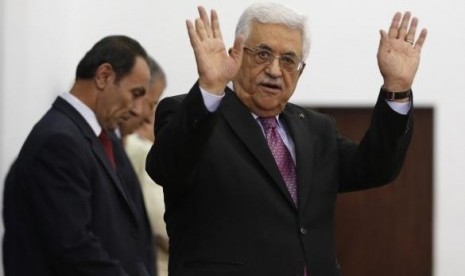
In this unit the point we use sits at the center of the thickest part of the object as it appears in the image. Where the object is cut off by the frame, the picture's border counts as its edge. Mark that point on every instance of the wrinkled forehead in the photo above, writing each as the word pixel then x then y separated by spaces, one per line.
pixel 277 37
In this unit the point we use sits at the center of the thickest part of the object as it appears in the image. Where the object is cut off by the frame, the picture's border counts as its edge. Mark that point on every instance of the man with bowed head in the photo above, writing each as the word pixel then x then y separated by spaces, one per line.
pixel 137 137
pixel 69 207
pixel 250 180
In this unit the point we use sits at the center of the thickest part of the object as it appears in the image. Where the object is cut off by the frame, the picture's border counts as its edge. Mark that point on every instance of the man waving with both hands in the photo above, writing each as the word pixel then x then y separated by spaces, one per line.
pixel 250 180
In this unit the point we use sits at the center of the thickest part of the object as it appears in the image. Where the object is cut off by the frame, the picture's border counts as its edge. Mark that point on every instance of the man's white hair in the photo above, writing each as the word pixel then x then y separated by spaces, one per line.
pixel 274 13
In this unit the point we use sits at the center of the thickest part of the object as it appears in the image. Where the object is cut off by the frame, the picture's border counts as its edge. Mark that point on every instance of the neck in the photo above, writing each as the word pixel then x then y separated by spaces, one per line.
pixel 85 91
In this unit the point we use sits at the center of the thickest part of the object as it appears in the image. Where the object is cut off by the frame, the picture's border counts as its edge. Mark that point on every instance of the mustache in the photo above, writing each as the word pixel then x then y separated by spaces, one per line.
pixel 273 83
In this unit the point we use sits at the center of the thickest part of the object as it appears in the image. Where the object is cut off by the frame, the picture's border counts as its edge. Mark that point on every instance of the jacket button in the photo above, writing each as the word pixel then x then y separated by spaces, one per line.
pixel 303 230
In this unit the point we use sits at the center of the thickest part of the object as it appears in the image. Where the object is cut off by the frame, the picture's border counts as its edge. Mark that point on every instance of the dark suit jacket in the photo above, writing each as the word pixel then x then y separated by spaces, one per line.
pixel 227 209
pixel 66 211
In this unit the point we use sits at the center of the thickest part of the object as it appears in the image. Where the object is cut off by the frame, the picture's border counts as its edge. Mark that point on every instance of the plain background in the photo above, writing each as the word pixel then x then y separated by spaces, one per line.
pixel 41 43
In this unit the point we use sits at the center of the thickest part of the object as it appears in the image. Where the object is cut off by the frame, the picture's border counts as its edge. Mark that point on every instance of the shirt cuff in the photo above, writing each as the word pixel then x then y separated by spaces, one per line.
pixel 211 101
pixel 401 108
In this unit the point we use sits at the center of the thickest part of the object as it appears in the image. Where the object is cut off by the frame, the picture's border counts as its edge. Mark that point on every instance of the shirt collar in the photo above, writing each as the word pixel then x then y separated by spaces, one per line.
pixel 277 118
pixel 85 111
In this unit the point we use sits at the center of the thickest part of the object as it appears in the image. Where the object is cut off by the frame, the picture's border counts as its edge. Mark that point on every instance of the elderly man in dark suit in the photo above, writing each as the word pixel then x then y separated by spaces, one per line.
pixel 250 180
pixel 71 206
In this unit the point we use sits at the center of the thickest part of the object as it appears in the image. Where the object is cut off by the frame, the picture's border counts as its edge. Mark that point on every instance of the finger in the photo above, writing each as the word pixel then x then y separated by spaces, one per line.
pixel 200 29
pixel 394 28
pixel 216 30
pixel 192 33
pixel 421 39
pixel 410 36
pixel 206 21
pixel 384 35
pixel 404 26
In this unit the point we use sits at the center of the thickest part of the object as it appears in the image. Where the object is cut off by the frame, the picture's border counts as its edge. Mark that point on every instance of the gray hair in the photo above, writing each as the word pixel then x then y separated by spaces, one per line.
pixel 156 72
pixel 274 13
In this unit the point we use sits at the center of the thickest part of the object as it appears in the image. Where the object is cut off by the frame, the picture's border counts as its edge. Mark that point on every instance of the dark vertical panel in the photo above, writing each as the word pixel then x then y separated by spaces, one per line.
pixel 388 230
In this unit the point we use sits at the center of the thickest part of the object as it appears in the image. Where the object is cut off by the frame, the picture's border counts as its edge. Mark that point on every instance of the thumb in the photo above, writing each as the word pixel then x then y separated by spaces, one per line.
pixel 238 49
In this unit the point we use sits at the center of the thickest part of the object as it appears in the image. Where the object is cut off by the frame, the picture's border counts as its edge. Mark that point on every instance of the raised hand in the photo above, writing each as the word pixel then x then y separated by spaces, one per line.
pixel 399 53
pixel 214 65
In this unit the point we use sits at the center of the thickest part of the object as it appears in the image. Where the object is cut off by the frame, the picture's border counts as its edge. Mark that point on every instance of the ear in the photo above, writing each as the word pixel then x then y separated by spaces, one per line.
pixel 104 75
pixel 302 69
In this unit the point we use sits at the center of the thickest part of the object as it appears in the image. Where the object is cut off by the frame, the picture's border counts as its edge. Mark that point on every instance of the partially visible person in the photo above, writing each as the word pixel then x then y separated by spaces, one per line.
pixel 68 208
pixel 138 136
pixel 135 124
pixel 250 180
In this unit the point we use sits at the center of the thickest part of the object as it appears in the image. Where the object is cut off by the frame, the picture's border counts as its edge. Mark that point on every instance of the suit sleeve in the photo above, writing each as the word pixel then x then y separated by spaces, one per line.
pixel 59 193
pixel 182 126
pixel 379 157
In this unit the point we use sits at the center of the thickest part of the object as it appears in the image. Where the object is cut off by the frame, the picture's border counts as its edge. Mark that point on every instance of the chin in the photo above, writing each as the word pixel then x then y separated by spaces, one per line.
pixel 269 106
pixel 111 127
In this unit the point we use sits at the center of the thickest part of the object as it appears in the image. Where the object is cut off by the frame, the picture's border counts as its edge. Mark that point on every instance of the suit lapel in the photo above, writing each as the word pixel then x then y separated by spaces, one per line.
pixel 297 124
pixel 101 155
pixel 95 144
pixel 128 178
pixel 247 129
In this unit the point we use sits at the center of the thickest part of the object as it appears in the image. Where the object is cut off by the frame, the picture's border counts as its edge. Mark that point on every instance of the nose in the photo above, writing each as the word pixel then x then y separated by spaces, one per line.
pixel 137 107
pixel 274 69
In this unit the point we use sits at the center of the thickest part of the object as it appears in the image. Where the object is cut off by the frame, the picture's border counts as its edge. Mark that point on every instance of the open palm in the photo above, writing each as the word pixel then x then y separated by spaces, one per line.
pixel 399 54
pixel 214 65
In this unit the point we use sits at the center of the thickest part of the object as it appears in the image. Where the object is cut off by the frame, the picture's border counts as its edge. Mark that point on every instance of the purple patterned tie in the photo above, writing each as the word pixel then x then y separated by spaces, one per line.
pixel 281 154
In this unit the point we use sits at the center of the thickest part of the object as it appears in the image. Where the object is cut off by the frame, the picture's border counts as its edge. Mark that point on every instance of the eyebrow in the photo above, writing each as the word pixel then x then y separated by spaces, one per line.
pixel 266 47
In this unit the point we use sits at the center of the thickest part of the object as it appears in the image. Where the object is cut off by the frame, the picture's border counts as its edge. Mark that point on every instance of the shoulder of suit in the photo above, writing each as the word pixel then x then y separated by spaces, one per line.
pixel 176 98
pixel 308 113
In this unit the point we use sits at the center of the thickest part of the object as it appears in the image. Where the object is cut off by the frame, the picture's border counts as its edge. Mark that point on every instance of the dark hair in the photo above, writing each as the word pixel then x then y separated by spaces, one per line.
pixel 118 50
pixel 155 70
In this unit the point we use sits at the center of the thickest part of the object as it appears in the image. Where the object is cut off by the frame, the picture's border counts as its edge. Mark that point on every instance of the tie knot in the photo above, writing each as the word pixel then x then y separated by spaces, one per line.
pixel 268 122
pixel 103 137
